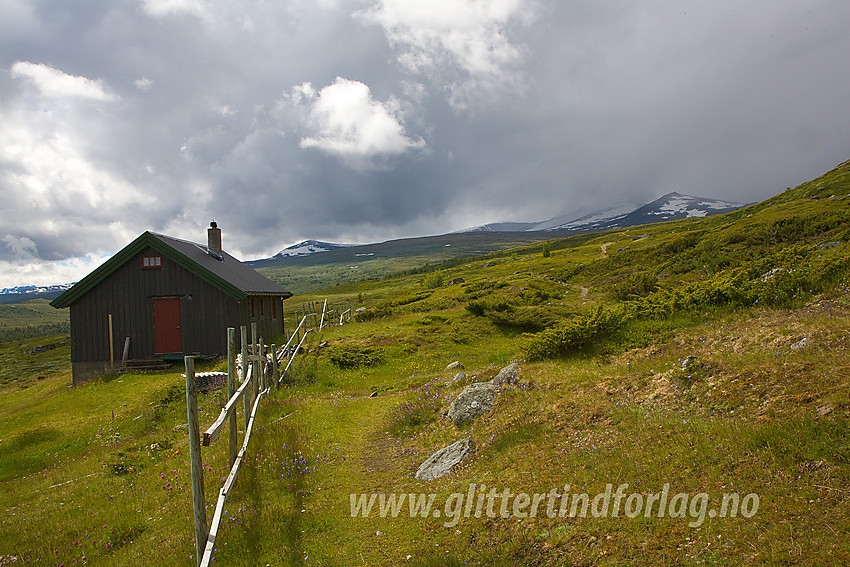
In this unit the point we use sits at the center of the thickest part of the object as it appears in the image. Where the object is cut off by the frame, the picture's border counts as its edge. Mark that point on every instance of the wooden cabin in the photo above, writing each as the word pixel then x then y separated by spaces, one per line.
pixel 169 297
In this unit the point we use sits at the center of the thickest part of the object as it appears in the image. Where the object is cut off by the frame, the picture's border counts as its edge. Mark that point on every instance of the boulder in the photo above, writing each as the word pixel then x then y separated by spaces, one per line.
pixel 360 310
pixel 456 365
pixel 767 276
pixel 456 377
pixel 801 344
pixel 440 463
pixel 689 361
pixel 829 245
pixel 474 401
pixel 824 411
pixel 457 281
pixel 506 374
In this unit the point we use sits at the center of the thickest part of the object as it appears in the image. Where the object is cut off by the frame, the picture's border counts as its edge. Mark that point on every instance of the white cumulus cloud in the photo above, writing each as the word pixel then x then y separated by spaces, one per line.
pixel 57 84
pixel 348 122
pixel 161 8
pixel 464 44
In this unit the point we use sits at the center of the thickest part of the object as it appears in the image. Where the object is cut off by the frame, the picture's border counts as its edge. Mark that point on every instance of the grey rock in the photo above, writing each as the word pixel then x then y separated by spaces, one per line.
pixel 767 276
pixel 360 310
pixel 689 361
pixel 457 281
pixel 506 374
pixel 441 463
pixel 828 245
pixel 456 365
pixel 824 411
pixel 457 377
pixel 474 401
pixel 801 344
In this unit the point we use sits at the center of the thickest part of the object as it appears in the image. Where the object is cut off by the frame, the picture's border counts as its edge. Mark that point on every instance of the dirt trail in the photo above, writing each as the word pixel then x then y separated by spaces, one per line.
pixel 604 249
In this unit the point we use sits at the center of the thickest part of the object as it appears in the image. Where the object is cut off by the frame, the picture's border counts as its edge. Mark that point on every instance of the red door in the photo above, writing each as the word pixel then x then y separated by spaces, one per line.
pixel 168 335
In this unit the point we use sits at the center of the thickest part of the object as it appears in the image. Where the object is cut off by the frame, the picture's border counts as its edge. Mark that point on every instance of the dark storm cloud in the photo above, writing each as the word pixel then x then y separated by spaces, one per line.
pixel 364 120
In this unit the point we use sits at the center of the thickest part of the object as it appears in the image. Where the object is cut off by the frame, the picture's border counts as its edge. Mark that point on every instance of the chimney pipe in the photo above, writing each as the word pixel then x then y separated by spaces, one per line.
pixel 214 237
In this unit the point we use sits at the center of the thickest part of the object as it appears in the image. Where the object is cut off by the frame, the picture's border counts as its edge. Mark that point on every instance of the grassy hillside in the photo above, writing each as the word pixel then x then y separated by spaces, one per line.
pixel 30 319
pixel 311 273
pixel 601 329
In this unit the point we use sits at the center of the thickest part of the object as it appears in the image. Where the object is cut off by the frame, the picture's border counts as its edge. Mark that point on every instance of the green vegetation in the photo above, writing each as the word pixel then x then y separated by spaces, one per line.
pixel 35 318
pixel 603 329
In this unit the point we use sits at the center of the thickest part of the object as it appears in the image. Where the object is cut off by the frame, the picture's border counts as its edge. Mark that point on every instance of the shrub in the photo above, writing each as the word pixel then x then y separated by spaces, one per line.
pixel 433 280
pixel 634 285
pixel 371 313
pixel 573 335
pixel 353 356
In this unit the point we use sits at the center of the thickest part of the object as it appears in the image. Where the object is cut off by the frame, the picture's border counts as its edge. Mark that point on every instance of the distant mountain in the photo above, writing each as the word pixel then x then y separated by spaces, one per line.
pixel 672 206
pixel 675 206
pixel 308 247
pixel 502 227
pixel 590 221
pixel 21 293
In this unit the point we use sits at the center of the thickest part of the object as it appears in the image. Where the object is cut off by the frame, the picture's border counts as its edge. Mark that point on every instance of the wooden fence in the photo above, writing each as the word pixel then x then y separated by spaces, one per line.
pixel 254 385
pixel 322 315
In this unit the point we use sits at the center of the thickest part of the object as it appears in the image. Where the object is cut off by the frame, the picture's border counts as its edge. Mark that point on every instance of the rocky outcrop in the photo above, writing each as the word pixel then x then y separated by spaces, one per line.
pixel 456 365
pixel 507 374
pixel 441 463
pixel 474 401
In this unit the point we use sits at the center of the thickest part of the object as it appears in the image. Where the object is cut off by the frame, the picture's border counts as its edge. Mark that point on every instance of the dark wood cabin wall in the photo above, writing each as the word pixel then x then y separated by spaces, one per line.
pixel 128 293
pixel 267 327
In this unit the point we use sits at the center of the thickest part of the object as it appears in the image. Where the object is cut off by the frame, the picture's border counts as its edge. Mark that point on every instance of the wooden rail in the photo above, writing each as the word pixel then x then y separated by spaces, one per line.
pixel 253 371
pixel 254 387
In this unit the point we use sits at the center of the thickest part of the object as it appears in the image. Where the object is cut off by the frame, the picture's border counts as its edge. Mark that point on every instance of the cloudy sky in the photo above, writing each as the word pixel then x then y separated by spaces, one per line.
pixel 364 120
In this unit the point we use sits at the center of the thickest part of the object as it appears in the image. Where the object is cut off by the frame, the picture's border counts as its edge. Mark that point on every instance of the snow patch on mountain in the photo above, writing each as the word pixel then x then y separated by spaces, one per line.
pixel 34 289
pixel 308 247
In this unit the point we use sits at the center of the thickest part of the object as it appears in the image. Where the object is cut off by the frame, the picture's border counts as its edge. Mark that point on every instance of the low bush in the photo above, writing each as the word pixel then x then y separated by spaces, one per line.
pixel 573 335
pixel 634 286
pixel 353 356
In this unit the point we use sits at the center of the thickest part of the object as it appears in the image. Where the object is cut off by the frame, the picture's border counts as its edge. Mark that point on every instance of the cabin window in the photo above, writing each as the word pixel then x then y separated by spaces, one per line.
pixel 274 311
pixel 151 262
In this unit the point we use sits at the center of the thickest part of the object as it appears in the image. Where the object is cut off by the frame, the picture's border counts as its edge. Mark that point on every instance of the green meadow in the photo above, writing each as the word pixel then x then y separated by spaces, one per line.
pixel 601 327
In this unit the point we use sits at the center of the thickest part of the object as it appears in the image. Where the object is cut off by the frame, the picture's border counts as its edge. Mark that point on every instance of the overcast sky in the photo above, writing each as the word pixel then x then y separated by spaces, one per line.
pixel 364 120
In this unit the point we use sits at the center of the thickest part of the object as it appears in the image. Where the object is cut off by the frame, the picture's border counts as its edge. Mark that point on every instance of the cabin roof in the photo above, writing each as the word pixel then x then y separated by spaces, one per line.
pixel 221 270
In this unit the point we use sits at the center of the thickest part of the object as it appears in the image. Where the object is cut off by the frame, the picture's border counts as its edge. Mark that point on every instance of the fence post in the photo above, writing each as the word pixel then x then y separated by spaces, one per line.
pixel 255 387
pixel 274 366
pixel 246 397
pixel 261 347
pixel 322 322
pixel 231 389
pixel 195 457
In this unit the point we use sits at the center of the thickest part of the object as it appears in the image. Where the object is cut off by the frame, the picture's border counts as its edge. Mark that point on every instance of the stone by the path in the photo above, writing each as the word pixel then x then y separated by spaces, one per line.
pixel 441 463
pixel 456 365
pixel 456 281
pixel 801 344
pixel 824 411
pixel 506 374
pixel 458 376
pixel 474 401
